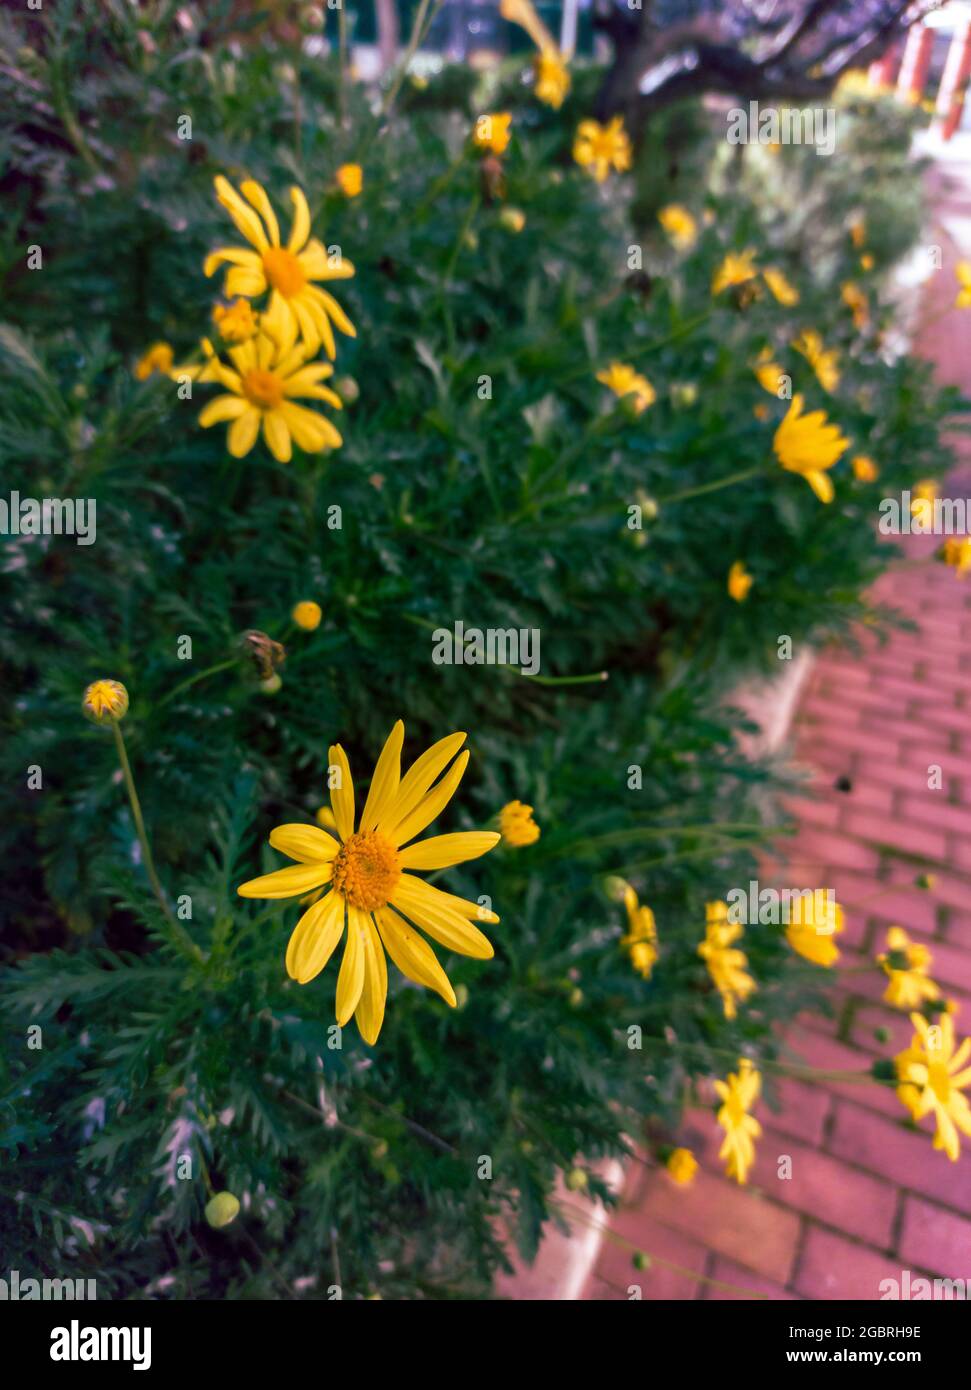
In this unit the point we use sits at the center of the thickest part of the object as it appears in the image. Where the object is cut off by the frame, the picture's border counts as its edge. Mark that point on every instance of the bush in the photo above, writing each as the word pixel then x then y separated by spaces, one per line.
pixel 485 476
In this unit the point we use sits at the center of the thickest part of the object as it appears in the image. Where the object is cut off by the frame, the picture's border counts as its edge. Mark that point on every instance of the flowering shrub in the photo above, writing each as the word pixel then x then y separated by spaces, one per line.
pixel 651 449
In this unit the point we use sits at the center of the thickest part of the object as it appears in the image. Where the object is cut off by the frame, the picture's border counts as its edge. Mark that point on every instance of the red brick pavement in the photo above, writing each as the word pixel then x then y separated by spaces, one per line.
pixel 868 1196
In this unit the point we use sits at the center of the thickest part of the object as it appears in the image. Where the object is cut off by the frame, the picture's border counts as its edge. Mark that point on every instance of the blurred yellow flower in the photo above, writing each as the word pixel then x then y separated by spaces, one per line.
pixel 957 553
pixel 812 928
pixel 297 307
pixel 866 261
pixel 493 131
pixel 864 468
pixel 738 1093
pixel 768 371
pixel 367 871
pixel 963 272
pixel 623 381
pixel 736 269
pixel 552 78
pixel 261 385
pixel 680 226
pixel 808 445
pixel 158 358
pixel 739 582
pixel 923 496
pixel 726 964
pixel 682 1166
pixel 824 362
pixel 784 292
pixel 907 965
pixel 516 824
pixel 933 1077
pixel 307 615
pixel 641 938
pixel 858 304
pixel 350 179
pixel 235 322
pixel 857 229
pixel 600 148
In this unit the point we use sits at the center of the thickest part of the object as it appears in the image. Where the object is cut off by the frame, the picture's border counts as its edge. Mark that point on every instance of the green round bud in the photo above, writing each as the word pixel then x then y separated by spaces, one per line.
pixel 576 1179
pixel 271 685
pixel 884 1070
pixel 641 1260
pixel 461 996
pixel 882 1035
pixel 222 1210
pixel 348 389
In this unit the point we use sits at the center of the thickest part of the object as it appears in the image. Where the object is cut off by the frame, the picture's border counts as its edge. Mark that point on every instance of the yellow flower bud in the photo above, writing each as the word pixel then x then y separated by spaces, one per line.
pixel 105 702
pixel 513 219
pixel 576 1179
pixel 307 615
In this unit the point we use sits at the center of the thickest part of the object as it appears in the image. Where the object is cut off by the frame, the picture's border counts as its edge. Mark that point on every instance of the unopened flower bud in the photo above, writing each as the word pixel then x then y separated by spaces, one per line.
pixel 222 1210
pixel 576 1179
pixel 307 615
pixel 347 388
pixel 105 702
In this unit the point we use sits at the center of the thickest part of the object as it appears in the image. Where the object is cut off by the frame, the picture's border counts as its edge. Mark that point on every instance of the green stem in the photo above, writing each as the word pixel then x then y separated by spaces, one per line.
pixel 221 666
pixel 182 938
pixel 719 483
pixel 446 278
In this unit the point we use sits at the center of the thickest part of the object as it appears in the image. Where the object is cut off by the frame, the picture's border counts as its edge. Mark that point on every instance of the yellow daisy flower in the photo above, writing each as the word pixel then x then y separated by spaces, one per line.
pixel 726 965
pixel 783 291
pixel 808 445
pixel 825 363
pixel 811 933
pixel 493 131
pixel 963 272
pixel 680 226
pixel 516 824
pixel 623 381
pixel 552 78
pixel 600 148
pixel 738 1094
pixel 262 383
pixel 682 1166
pixel 370 886
pixel 932 1079
pixel 641 939
pixel 907 965
pixel 736 269
pixel 158 358
pixel 297 307
pixel 864 468
pixel 739 582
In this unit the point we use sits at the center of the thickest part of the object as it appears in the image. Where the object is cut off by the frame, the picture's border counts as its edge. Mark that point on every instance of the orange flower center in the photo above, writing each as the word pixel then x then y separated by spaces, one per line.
pixel 283 271
pixel 366 870
pixel 264 389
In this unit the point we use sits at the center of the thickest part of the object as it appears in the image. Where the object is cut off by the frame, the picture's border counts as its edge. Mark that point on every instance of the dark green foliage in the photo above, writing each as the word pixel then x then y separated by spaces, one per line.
pixel 360 1167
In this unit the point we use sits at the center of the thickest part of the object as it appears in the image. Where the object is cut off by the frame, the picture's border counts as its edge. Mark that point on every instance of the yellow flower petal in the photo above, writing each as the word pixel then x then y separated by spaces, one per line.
pixel 290 882
pixel 422 903
pixel 412 954
pixel 342 796
pixel 305 843
pixel 315 938
pixel 441 851
pixel 350 981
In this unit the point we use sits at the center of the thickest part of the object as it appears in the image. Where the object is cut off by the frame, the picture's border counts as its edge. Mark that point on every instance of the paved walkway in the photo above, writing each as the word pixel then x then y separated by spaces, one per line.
pixel 868 1197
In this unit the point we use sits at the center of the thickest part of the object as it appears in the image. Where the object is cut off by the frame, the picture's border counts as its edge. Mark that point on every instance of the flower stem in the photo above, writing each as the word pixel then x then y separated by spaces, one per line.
pixel 182 938
pixel 732 478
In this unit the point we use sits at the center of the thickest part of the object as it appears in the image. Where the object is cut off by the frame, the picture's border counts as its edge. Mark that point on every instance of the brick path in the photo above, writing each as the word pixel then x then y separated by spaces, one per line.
pixel 868 1196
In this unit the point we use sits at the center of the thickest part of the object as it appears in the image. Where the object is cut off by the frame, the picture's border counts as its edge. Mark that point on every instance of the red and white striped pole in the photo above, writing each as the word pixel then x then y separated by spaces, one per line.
pixel 954 81
pixel 916 62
